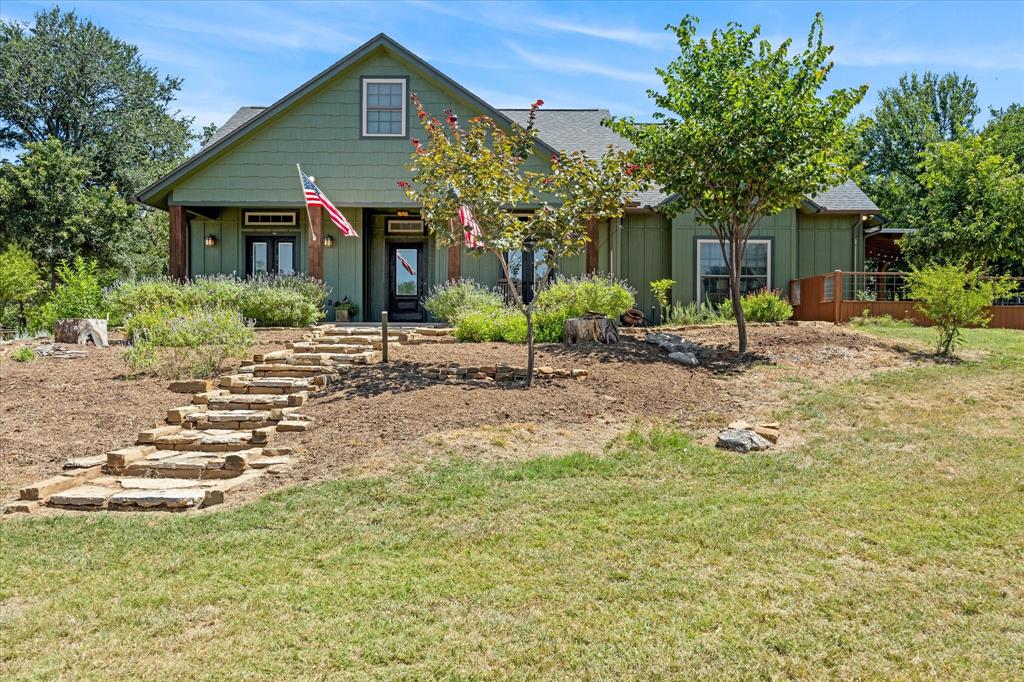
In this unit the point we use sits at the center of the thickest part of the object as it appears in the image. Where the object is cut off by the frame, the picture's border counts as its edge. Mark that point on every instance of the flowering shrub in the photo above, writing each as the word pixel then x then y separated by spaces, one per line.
pixel 186 343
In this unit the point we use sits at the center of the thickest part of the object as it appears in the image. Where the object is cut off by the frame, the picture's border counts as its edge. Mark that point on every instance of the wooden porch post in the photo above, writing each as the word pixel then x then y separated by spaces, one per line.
pixel 837 295
pixel 454 262
pixel 592 247
pixel 177 266
pixel 315 247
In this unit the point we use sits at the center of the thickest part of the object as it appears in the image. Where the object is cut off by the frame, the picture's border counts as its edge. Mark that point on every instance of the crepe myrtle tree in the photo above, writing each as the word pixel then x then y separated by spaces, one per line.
pixel 483 166
pixel 741 133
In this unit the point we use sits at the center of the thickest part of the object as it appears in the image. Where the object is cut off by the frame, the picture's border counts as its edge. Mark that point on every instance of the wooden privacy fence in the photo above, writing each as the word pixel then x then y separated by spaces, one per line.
pixel 839 296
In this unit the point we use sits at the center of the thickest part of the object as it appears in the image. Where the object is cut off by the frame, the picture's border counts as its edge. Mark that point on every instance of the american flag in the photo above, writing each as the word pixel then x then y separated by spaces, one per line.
pixel 406 264
pixel 473 233
pixel 314 197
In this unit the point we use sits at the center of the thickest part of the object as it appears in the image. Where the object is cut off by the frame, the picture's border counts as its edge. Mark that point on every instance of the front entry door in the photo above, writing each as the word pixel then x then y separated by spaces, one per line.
pixel 269 256
pixel 406 281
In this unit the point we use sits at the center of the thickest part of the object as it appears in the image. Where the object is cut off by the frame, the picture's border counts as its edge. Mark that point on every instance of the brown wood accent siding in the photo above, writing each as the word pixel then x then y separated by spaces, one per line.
pixel 315 245
pixel 455 262
pixel 592 247
pixel 177 266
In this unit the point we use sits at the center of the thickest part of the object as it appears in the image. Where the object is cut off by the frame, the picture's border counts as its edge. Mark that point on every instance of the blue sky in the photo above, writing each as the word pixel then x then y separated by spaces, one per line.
pixel 592 54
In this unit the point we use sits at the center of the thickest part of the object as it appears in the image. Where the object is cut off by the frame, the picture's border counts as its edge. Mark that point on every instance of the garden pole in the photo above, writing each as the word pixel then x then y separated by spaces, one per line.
pixel 384 336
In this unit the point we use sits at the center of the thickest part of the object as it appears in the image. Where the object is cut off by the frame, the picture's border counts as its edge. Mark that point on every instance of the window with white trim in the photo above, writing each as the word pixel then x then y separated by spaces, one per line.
pixel 384 107
pixel 713 276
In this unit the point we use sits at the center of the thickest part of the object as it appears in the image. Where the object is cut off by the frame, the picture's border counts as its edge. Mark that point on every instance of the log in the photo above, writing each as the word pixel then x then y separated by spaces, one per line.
pixel 81 331
pixel 591 329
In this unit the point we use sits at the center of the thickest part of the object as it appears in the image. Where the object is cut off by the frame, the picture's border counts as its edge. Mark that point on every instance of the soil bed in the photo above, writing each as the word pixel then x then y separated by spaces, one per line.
pixel 379 417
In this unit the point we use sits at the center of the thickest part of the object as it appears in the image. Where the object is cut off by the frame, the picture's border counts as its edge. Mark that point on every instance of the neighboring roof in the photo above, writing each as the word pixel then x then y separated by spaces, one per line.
pixel 157 191
pixel 846 198
pixel 237 120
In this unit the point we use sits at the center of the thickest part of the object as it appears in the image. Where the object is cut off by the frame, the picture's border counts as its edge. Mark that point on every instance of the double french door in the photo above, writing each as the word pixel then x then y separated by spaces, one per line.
pixel 270 255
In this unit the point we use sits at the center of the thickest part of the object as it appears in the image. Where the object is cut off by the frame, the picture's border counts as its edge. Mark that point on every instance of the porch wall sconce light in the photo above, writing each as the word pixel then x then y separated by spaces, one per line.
pixel 210 240
pixel 328 241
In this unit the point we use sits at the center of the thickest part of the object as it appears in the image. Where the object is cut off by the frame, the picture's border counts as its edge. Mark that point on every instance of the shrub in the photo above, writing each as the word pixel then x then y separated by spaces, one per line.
pixel 450 301
pixel 19 282
pixel 764 305
pixel 661 288
pixel 24 354
pixel 692 313
pixel 503 324
pixel 291 301
pixel 576 296
pixel 186 343
pixel 954 297
pixel 78 294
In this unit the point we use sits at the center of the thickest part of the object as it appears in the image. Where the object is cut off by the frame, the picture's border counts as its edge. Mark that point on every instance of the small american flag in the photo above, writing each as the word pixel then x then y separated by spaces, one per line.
pixel 473 232
pixel 405 264
pixel 314 197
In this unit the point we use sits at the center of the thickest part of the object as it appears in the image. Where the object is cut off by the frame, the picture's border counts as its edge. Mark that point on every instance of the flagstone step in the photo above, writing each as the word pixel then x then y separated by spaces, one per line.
pixel 214 440
pixel 242 384
pixel 128 493
pixel 255 401
pixel 314 347
pixel 192 464
pixel 294 371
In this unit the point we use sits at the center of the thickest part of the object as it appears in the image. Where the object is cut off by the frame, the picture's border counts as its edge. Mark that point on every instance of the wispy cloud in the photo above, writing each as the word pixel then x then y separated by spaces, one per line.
pixel 630 36
pixel 977 57
pixel 576 66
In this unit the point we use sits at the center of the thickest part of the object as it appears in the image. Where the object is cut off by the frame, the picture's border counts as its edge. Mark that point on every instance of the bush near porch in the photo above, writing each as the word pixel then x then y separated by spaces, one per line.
pixel 291 301
pixel 479 314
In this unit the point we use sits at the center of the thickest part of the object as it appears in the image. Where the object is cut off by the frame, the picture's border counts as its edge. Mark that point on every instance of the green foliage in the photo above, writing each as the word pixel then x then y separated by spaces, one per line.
pixel 741 132
pixel 78 294
pixel 662 290
pixel 866 319
pixel 72 81
pixel 503 324
pixel 1005 129
pixel 292 301
pixel 693 313
pixel 19 283
pixel 50 206
pixel 973 208
pixel 922 110
pixel 576 296
pixel 24 354
pixel 761 306
pixel 450 301
pixel 173 343
pixel 953 297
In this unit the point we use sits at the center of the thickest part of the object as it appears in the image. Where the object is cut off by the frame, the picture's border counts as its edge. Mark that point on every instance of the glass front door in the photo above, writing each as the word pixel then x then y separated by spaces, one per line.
pixel 270 256
pixel 407 279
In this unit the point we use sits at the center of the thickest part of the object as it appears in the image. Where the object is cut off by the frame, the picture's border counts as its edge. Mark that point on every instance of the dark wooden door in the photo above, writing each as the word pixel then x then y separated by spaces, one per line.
pixel 407 280
pixel 269 255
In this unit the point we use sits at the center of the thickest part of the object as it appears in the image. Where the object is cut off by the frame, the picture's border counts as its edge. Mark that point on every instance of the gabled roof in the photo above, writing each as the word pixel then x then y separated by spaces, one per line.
pixel 573 129
pixel 250 118
pixel 845 198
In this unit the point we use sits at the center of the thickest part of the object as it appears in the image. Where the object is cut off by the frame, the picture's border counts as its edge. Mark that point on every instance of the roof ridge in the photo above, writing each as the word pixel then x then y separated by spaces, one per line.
pixel 554 109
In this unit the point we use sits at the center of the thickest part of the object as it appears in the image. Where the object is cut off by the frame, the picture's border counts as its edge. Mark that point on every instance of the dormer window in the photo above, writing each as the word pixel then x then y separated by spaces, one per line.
pixel 384 101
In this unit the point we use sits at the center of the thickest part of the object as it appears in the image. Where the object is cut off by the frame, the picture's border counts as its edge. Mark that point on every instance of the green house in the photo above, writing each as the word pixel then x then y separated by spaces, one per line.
pixel 237 206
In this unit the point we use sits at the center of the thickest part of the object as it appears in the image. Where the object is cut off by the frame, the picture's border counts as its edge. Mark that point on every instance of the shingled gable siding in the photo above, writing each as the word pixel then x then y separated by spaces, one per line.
pixel 322 132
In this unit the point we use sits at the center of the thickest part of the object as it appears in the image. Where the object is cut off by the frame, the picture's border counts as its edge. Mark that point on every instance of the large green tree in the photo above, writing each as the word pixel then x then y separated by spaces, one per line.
pixel 741 132
pixel 50 206
pixel 68 79
pixel 483 167
pixel 1005 129
pixel 919 111
pixel 972 208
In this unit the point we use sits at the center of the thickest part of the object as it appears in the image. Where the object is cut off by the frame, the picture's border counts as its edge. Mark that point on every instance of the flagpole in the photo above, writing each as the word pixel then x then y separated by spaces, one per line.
pixel 309 217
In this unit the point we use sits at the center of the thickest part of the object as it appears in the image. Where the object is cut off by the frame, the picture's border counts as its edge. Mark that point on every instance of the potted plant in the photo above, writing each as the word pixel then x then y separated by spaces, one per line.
pixel 345 310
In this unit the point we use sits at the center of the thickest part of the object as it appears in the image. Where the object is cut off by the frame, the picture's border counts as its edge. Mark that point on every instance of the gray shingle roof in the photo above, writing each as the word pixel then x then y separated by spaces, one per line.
pixel 581 130
pixel 237 120
pixel 846 197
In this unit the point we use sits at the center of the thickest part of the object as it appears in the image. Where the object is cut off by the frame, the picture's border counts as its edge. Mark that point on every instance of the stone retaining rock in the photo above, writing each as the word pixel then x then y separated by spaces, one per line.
pixel 740 440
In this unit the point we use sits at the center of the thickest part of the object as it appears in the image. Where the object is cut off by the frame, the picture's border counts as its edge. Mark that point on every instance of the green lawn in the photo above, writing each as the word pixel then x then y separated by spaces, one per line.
pixel 889 544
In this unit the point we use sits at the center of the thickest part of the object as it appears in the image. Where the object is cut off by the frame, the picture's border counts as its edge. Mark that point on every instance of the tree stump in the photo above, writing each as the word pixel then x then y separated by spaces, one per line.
pixel 81 331
pixel 591 328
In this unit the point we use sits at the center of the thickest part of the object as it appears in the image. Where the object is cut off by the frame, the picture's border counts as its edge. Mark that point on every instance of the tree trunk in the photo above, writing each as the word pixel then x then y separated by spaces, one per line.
pixel 734 291
pixel 529 346
pixel 80 331
pixel 590 329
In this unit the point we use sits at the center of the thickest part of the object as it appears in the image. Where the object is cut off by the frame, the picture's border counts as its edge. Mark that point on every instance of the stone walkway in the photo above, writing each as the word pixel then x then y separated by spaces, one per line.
pixel 224 438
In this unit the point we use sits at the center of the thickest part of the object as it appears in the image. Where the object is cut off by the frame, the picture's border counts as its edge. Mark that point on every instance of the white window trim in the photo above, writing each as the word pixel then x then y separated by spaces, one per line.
pixel 405 104
pixel 768 282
